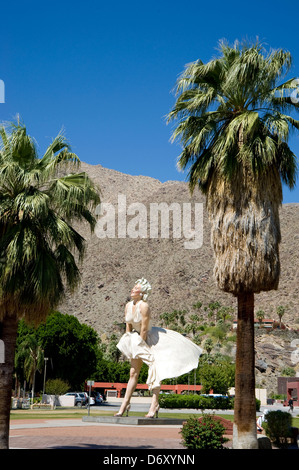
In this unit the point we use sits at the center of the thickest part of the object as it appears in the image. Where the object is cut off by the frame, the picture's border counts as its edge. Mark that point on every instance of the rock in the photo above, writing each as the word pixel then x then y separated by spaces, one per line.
pixel 261 365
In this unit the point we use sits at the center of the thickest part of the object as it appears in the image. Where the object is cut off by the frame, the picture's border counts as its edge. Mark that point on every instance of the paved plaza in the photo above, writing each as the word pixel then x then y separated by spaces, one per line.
pixel 74 433
pixel 79 434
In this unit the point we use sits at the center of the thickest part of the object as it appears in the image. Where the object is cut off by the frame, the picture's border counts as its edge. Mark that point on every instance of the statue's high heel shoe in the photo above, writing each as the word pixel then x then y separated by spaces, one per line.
pixel 153 414
pixel 127 409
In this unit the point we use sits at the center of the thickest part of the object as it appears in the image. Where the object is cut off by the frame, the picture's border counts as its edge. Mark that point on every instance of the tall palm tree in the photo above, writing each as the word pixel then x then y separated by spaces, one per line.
pixel 39 248
pixel 233 120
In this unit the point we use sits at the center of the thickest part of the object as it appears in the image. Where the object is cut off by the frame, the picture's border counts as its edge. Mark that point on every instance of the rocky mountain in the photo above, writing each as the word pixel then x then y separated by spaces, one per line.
pixel 180 271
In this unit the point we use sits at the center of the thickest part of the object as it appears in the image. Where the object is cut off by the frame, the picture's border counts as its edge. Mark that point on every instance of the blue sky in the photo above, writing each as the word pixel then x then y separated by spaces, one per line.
pixel 105 71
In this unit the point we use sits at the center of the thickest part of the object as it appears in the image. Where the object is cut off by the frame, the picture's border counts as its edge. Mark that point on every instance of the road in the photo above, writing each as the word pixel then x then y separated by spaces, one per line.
pixel 144 407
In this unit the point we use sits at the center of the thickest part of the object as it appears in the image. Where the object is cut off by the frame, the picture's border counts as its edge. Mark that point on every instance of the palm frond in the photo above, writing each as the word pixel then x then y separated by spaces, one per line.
pixel 38 203
pixel 232 101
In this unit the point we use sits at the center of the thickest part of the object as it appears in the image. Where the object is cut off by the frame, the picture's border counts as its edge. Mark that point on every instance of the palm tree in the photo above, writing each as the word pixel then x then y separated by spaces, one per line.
pixel 214 307
pixel 234 130
pixel 32 356
pixel 208 345
pixel 280 312
pixel 195 320
pixel 260 315
pixel 39 248
pixel 224 313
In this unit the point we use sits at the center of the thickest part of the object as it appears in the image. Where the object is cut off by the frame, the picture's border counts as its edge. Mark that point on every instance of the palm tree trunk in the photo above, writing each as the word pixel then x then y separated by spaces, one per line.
pixel 9 328
pixel 244 432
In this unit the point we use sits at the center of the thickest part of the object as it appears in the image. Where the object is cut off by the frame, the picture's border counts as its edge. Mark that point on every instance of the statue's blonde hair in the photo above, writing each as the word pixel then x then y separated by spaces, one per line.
pixel 145 288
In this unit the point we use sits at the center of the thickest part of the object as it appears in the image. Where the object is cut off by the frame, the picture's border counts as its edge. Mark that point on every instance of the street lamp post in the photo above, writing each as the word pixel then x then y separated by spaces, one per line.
pixel 45 358
pixel 90 384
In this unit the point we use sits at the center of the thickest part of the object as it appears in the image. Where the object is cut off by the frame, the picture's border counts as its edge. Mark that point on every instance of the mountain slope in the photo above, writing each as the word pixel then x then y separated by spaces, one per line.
pixel 179 276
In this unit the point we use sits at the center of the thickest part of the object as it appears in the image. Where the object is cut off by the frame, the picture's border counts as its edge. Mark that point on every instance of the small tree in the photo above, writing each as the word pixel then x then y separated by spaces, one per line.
pixel 214 307
pixel 224 313
pixel 195 320
pixel 260 315
pixel 208 345
pixel 56 387
pixel 217 376
pixel 72 347
pixel 280 312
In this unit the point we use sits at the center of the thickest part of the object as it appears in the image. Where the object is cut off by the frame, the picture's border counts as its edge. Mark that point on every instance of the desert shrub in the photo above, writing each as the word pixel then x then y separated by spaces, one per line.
pixel 278 427
pixel 203 433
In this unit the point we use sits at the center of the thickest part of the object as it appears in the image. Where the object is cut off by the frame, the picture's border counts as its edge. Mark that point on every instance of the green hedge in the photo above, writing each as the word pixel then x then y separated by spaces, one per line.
pixel 278 427
pixel 198 402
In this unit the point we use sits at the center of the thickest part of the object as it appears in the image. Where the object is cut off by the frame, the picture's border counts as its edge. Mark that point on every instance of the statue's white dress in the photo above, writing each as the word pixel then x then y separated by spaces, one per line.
pixel 167 353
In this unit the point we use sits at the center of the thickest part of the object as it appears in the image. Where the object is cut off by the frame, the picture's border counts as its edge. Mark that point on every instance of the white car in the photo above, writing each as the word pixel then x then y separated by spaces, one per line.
pixel 80 399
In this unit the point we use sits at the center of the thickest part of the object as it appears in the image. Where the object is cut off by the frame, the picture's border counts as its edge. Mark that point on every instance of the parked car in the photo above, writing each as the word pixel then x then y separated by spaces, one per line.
pixel 92 400
pixel 98 398
pixel 80 399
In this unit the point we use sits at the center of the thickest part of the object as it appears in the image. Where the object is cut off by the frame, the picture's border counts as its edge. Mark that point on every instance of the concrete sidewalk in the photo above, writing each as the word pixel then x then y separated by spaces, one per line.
pixel 76 434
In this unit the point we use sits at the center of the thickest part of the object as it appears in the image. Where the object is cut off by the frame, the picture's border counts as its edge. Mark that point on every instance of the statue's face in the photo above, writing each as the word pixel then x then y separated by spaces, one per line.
pixel 136 292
